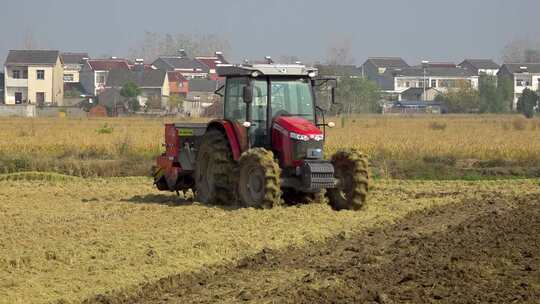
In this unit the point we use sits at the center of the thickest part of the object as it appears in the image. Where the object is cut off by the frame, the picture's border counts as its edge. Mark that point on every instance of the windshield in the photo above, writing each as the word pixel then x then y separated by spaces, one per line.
pixel 290 97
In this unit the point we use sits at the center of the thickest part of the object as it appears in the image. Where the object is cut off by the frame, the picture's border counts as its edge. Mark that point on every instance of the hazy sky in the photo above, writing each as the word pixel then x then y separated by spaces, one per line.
pixel 415 30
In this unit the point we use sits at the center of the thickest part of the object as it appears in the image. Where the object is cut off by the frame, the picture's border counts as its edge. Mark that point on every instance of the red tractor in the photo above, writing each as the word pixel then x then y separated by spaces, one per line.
pixel 267 149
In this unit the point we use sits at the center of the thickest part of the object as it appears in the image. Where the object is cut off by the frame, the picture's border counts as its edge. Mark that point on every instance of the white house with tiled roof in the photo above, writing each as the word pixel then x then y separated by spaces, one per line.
pixel 523 76
pixel 34 77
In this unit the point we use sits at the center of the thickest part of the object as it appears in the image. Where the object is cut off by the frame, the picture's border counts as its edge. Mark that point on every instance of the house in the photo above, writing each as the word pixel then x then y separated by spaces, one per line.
pixel 73 63
pixel 382 69
pixel 180 62
pixel 419 94
pixel 94 73
pixel 211 62
pixel 201 96
pixel 154 84
pixel 523 76
pixel 339 70
pixel 441 78
pixel 178 84
pixel 34 77
pixel 481 66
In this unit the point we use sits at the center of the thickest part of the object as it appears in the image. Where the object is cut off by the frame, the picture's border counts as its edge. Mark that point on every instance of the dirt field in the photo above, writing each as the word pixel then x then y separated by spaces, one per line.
pixel 482 250
pixel 117 240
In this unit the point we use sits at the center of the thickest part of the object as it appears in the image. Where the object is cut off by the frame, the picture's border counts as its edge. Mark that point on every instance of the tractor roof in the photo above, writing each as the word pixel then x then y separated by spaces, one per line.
pixel 226 70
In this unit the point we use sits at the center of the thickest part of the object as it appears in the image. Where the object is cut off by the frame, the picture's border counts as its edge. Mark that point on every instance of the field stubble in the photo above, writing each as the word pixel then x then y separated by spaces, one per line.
pixel 67 239
pixel 443 147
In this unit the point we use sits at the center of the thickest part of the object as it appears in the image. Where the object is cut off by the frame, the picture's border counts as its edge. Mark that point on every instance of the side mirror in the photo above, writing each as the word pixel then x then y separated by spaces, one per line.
pixel 333 94
pixel 248 94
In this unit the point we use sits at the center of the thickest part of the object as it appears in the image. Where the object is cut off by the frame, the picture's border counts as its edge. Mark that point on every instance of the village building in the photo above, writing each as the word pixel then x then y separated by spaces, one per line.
pixel 481 67
pixel 34 77
pixel 523 76
pixel 95 72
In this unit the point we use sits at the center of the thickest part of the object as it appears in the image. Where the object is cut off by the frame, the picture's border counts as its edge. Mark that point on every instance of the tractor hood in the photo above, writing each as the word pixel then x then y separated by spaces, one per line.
pixel 298 125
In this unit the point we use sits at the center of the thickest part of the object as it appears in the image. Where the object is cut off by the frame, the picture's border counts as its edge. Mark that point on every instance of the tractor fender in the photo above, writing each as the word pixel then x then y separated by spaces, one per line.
pixel 234 139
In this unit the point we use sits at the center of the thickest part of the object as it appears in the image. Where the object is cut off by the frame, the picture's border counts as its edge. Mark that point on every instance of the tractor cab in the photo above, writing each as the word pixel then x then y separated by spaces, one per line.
pixel 263 97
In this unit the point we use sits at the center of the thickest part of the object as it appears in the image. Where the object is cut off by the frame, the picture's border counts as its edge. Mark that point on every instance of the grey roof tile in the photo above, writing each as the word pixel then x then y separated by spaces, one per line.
pixel 143 79
pixel 73 58
pixel 482 63
pixel 203 85
pixel 47 57
pixel 388 62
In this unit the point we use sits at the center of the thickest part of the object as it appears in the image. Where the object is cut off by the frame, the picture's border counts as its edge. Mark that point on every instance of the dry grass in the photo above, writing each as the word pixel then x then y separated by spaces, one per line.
pixel 70 238
pixel 113 147
pixel 398 146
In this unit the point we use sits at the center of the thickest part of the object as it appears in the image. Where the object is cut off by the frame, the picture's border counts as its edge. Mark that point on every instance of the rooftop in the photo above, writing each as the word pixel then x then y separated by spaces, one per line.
pixel 73 58
pixel 143 79
pixel 388 62
pixel 31 57
pixel 435 72
pixel 203 85
pixel 176 76
pixel 184 63
pixel 486 64
pixel 522 67
pixel 108 64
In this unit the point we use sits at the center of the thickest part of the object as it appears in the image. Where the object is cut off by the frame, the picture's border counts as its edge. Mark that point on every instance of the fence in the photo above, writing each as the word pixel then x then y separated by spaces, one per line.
pixel 30 110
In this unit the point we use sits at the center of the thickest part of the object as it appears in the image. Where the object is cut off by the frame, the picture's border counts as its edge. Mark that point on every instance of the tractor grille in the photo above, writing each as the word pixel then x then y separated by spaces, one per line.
pixel 317 175
pixel 301 148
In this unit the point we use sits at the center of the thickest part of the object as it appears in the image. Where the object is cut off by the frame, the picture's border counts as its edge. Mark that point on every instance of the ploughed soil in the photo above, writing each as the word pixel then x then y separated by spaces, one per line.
pixel 481 251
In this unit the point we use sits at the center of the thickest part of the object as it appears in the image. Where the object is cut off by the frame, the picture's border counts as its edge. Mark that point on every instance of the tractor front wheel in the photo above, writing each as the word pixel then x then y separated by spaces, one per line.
pixel 259 184
pixel 351 171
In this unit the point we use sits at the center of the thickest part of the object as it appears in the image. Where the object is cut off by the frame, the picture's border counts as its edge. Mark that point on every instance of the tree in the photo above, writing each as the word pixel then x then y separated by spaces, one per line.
pixel 505 91
pixel 153 44
pixel 527 103
pixel 522 50
pixel 463 99
pixel 340 52
pixel 358 95
pixel 490 99
pixel 175 102
pixel 130 91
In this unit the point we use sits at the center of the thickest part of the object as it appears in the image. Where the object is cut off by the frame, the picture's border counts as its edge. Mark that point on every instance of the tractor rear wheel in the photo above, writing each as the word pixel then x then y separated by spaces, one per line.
pixel 351 171
pixel 259 184
pixel 214 172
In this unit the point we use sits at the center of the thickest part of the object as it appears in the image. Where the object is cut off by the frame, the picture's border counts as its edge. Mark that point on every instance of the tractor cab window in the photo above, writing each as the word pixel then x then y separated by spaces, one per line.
pixel 235 108
pixel 292 97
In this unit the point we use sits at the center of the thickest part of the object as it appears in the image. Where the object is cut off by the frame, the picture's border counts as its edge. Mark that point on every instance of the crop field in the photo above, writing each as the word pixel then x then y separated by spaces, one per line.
pixel 441 147
pixel 113 240
pixel 452 217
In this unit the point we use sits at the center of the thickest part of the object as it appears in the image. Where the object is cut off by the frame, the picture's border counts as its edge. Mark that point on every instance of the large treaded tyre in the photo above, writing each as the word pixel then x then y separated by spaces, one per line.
pixel 215 171
pixel 351 170
pixel 259 185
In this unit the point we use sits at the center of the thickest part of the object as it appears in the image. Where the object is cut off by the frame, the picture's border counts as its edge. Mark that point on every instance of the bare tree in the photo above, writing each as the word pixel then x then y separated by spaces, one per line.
pixel 29 41
pixel 522 50
pixel 288 59
pixel 340 52
pixel 155 44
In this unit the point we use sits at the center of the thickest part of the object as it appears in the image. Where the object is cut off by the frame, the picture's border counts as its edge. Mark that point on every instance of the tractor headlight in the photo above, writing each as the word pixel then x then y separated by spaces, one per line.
pixel 298 136
pixel 319 137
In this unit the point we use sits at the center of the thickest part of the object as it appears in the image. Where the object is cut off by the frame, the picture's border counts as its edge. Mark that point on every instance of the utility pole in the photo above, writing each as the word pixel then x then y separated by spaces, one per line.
pixel 425 65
